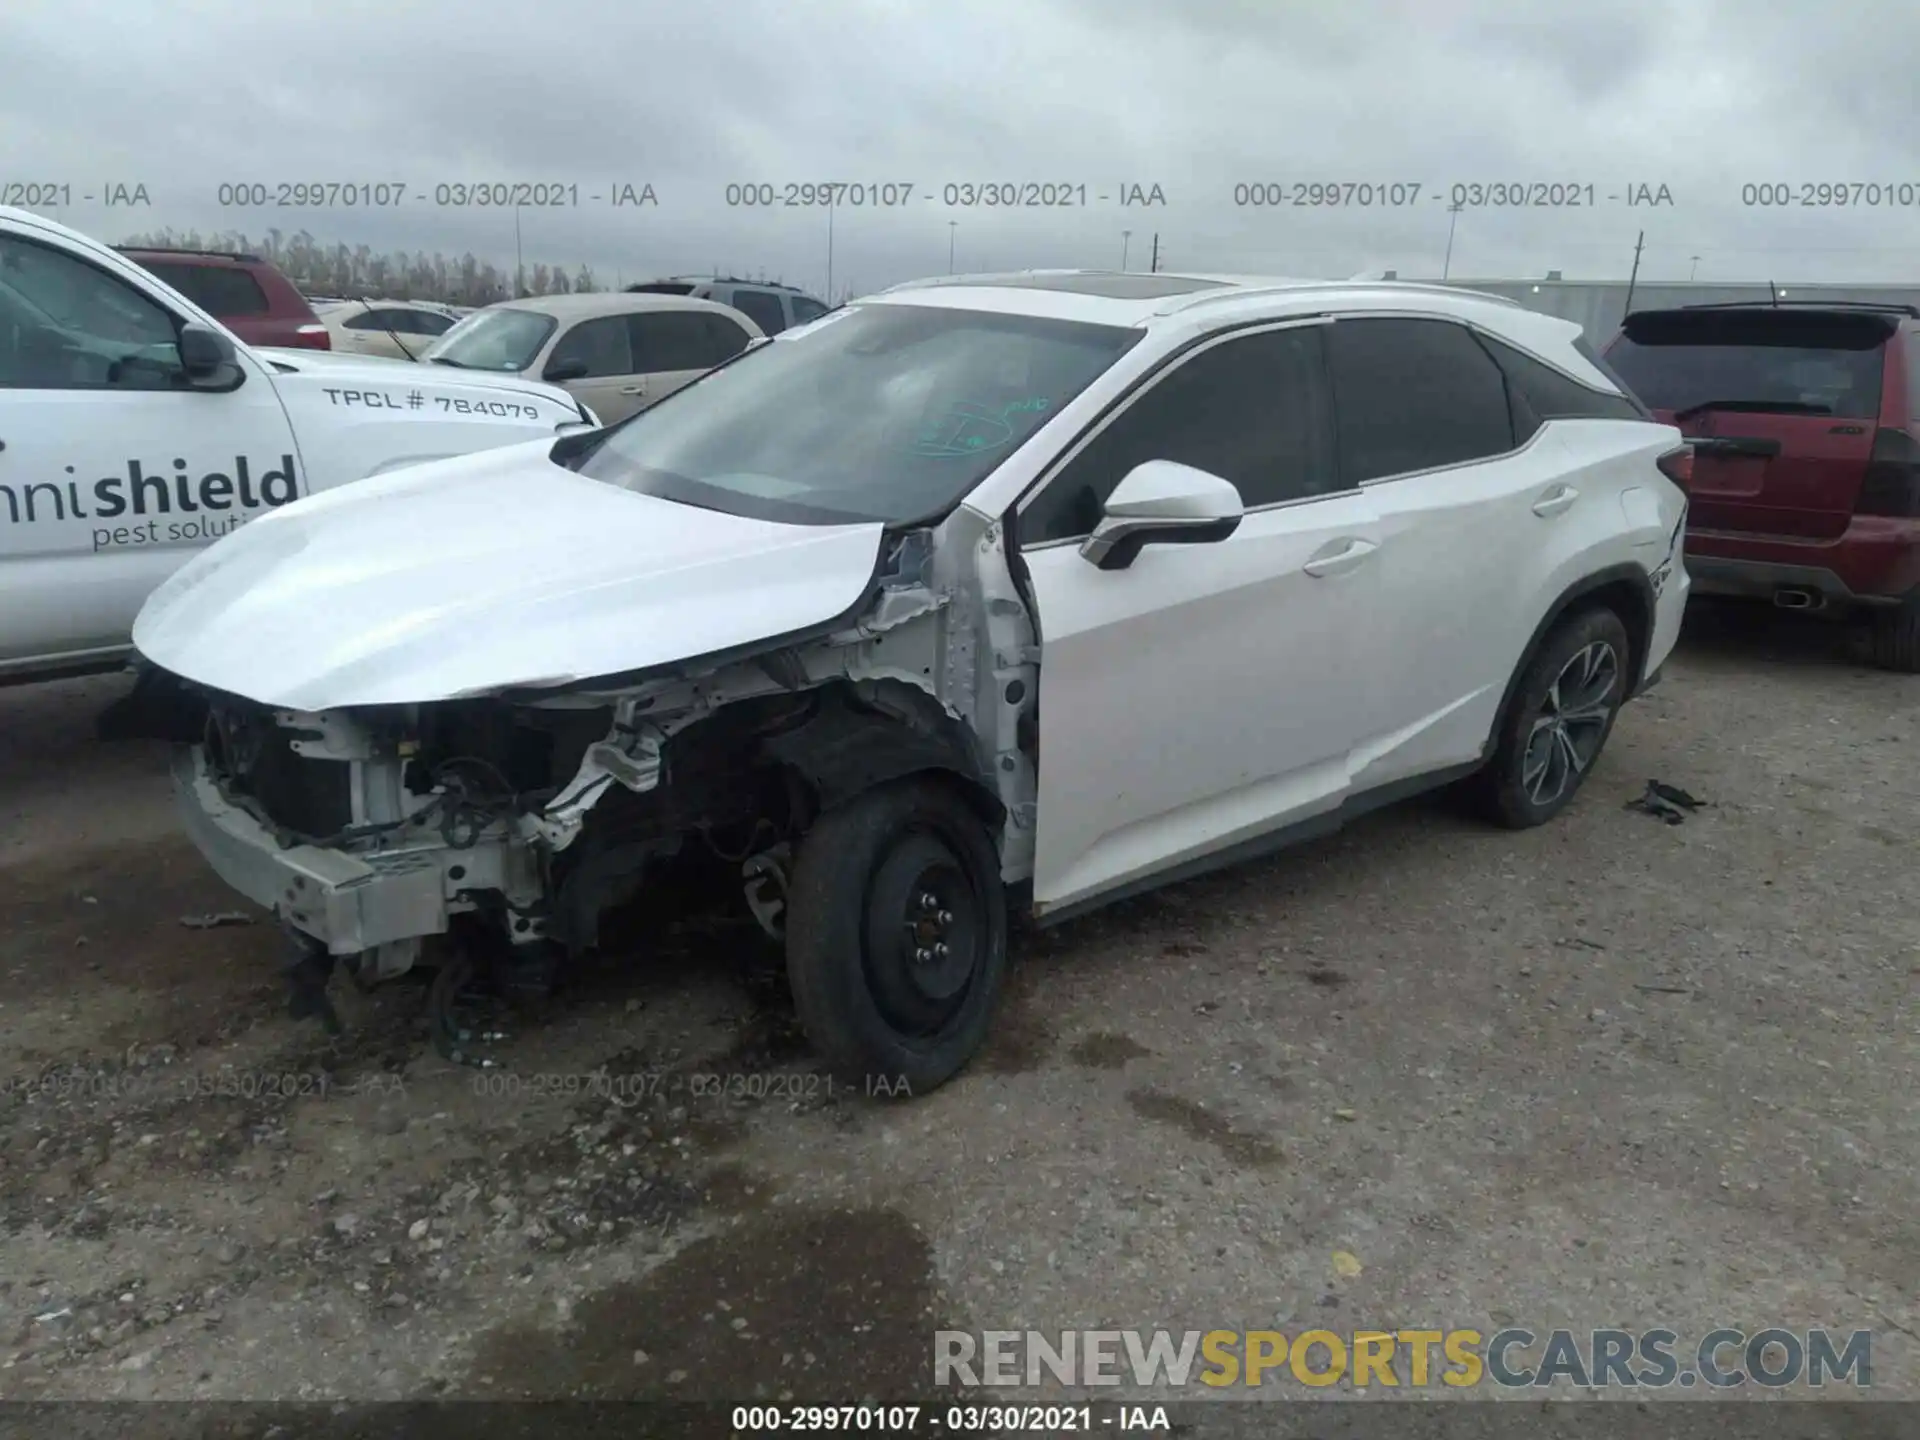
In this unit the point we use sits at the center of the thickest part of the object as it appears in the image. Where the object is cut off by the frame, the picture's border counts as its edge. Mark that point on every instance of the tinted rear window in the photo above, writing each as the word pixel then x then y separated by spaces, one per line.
pixel 220 290
pixel 1815 363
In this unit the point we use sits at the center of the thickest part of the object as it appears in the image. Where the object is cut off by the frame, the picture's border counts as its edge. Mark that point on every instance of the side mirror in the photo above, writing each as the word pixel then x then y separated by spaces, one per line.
pixel 561 371
pixel 205 353
pixel 1162 502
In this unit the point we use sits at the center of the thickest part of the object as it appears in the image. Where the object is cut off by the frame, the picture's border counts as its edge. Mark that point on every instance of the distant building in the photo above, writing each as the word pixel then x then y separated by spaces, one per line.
pixel 1599 305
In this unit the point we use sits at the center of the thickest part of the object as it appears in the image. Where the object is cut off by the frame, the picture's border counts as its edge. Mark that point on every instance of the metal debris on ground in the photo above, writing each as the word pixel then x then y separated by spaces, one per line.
pixel 1666 802
pixel 214 922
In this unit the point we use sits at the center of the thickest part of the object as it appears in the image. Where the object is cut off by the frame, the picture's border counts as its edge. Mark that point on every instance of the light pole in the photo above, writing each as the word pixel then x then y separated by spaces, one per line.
pixel 953 229
pixel 1696 268
pixel 1126 239
pixel 1446 266
pixel 519 265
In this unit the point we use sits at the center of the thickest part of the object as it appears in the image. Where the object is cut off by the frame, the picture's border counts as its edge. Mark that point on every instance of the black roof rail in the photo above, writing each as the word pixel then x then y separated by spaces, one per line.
pixel 240 255
pixel 1882 306
pixel 726 280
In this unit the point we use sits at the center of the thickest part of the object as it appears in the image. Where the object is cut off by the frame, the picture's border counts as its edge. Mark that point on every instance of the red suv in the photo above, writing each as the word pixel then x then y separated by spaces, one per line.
pixel 242 292
pixel 1805 425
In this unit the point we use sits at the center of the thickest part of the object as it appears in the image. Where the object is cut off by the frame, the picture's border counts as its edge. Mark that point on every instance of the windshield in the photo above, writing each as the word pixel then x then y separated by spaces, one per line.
pixel 504 339
pixel 1809 363
pixel 879 412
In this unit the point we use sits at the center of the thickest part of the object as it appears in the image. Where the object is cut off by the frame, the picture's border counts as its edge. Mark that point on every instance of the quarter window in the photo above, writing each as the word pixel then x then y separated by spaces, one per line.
pixel 1414 395
pixel 1252 410
pixel 1540 393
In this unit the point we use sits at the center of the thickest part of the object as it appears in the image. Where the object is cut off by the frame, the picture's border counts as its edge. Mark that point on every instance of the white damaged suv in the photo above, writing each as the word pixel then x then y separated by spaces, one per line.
pixel 976 597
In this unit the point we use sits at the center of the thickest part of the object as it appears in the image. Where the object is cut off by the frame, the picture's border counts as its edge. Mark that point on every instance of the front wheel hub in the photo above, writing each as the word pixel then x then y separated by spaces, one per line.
pixel 924 935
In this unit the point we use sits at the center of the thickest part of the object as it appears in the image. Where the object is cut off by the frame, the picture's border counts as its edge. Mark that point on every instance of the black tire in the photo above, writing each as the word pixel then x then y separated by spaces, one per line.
pixel 855 926
pixel 1893 638
pixel 1513 790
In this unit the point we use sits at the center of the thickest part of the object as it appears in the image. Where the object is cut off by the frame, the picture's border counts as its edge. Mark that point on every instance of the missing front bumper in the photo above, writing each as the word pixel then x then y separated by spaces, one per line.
pixel 349 902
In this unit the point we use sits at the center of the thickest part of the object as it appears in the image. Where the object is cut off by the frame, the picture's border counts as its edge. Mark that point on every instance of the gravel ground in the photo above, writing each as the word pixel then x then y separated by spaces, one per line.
pixel 1610 1072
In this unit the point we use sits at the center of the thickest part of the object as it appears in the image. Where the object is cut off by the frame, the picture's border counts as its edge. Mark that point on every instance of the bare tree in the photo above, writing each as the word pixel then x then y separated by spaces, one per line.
pixel 323 268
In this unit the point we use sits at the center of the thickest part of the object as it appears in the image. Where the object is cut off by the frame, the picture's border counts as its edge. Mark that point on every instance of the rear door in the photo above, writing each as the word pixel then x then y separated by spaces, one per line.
pixel 672 348
pixel 1781 406
pixel 1468 514
pixel 367 333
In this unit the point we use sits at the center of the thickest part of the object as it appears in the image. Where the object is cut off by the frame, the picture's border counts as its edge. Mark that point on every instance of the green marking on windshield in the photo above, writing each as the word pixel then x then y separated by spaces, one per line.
pixel 969 428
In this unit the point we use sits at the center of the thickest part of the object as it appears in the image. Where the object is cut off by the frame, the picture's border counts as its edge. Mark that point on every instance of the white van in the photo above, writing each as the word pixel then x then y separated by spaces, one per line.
pixel 135 429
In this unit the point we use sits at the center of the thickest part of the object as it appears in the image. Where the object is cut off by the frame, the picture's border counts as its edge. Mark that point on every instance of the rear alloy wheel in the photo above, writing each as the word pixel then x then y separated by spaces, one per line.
pixel 1560 718
pixel 897 936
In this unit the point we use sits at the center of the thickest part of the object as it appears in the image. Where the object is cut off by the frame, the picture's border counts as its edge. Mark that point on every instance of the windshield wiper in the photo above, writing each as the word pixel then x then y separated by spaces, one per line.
pixel 1783 407
pixel 443 360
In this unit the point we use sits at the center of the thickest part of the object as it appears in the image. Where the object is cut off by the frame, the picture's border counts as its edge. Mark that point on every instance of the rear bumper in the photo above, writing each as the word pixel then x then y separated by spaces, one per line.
pixel 1876 561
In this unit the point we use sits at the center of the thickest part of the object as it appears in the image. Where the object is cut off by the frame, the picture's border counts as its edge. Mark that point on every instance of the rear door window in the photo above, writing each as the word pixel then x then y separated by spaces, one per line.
pixel 667 341
pixel 1762 359
pixel 1414 395
pixel 761 307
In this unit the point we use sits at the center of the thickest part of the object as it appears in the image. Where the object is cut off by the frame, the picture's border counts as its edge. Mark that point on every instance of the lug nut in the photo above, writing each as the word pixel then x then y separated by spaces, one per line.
pixel 923 955
pixel 941 949
pixel 946 917
pixel 929 900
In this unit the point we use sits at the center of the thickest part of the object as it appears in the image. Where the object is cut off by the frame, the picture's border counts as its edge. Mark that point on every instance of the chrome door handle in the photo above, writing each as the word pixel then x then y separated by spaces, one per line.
pixel 1555 500
pixel 639 389
pixel 1339 557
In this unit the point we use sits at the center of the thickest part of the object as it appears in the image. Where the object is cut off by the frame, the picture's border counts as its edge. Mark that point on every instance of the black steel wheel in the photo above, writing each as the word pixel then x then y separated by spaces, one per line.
pixel 897 935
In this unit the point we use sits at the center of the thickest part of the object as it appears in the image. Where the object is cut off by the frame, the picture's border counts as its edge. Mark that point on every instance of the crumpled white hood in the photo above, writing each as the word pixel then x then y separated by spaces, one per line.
pixel 487 571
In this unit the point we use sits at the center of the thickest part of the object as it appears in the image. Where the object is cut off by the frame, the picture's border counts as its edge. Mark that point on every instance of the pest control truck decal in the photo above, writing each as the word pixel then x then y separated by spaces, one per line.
pixel 145 505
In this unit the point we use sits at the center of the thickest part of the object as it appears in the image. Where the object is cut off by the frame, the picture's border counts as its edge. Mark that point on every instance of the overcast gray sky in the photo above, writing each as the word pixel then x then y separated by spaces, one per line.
pixel 1194 96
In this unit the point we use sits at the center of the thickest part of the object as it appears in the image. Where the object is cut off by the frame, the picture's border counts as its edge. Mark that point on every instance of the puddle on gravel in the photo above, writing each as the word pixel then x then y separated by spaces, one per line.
pixel 1104 1050
pixel 797 1301
pixel 1202 1124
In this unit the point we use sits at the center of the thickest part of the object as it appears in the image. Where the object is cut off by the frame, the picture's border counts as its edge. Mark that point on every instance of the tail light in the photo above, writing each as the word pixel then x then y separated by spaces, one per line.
pixel 1892 483
pixel 312 337
pixel 1677 465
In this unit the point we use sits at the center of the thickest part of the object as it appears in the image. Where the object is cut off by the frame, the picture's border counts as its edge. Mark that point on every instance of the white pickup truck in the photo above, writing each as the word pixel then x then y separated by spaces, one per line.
pixel 135 430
